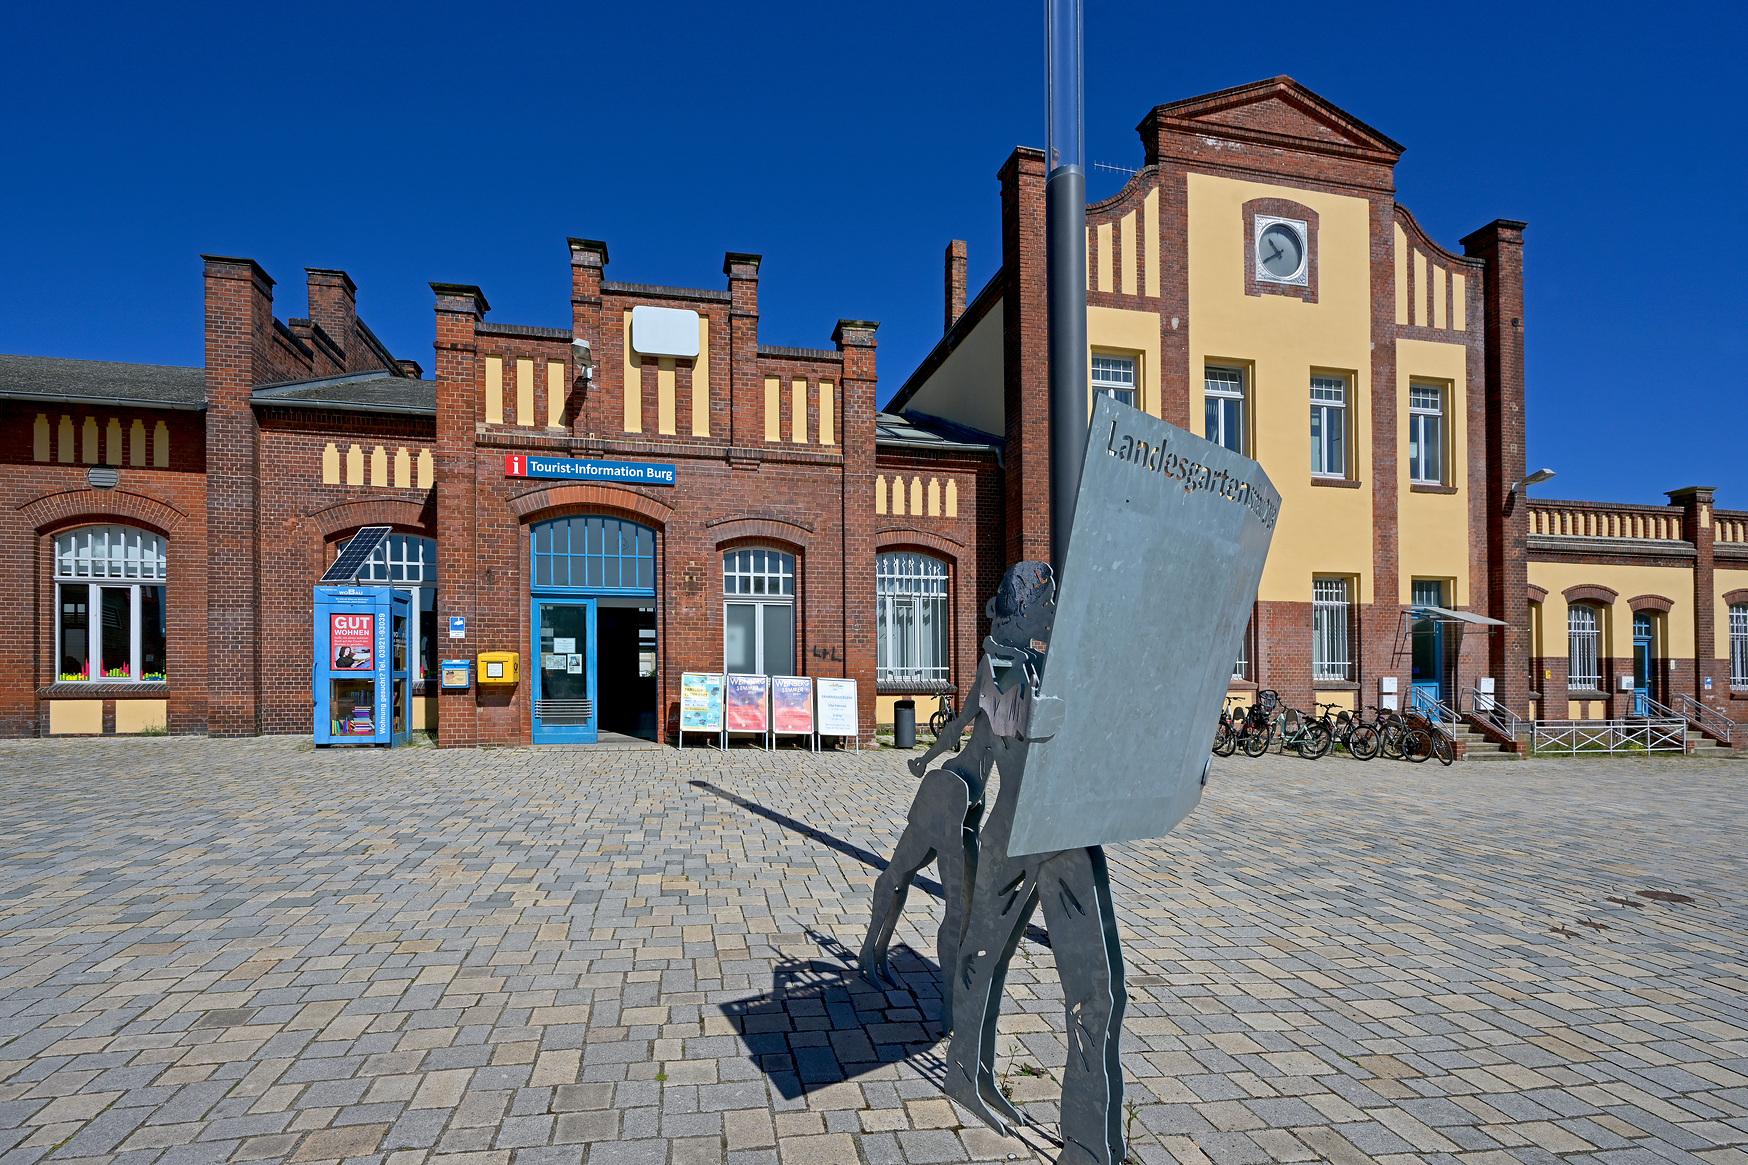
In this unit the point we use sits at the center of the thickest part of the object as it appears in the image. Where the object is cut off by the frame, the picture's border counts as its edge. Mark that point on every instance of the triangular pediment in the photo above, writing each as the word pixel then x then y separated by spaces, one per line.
pixel 1278 111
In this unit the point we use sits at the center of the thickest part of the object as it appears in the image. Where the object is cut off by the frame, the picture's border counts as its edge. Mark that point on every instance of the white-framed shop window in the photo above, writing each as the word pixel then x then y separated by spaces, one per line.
pixel 1584 652
pixel 1426 434
pixel 1223 414
pixel 758 611
pixel 110 620
pixel 1329 426
pixel 1114 376
pixel 408 562
pixel 1331 618
pixel 910 595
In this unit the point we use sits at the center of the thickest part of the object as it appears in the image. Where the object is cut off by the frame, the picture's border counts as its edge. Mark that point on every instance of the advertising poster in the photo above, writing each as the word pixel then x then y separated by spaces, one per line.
pixel 700 702
pixel 744 701
pixel 837 707
pixel 351 642
pixel 792 705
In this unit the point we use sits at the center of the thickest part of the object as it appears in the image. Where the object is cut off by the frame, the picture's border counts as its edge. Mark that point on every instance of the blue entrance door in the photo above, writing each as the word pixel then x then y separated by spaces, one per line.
pixel 1427 681
pixel 1644 641
pixel 564 671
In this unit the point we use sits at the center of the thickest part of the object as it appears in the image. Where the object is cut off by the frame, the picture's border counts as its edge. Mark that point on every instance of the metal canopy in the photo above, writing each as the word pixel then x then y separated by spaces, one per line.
pixel 1446 615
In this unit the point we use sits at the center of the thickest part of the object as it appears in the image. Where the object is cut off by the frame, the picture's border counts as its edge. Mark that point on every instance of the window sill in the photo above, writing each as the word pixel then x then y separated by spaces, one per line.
pixel 1427 487
pixel 103 689
pixel 1335 685
pixel 1335 482
pixel 1586 694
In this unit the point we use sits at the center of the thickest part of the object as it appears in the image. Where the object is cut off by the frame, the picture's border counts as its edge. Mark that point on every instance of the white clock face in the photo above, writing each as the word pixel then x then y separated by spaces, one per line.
pixel 1280 251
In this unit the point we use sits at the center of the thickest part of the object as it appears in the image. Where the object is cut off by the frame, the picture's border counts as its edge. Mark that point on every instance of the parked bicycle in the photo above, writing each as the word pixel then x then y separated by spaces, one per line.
pixel 1307 736
pixel 944 713
pixel 1439 742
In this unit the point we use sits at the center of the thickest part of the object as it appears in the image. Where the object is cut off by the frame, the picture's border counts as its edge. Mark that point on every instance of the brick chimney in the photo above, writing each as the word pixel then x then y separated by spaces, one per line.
pixel 956 253
pixel 334 308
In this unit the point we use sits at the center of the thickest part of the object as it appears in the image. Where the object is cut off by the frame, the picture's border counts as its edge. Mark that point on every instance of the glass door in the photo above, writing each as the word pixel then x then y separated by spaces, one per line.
pixel 1427 683
pixel 564 671
pixel 1644 641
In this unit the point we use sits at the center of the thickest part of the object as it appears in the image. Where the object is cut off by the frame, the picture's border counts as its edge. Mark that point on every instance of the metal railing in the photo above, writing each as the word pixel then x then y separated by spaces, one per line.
pixel 1486 706
pixel 1571 737
pixel 1707 717
pixel 1433 708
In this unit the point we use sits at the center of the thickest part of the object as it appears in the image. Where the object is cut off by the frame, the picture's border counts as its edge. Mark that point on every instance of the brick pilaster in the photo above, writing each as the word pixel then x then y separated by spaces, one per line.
pixel 1696 502
pixel 1026 365
pixel 856 346
pixel 459 309
pixel 746 388
pixel 1499 244
pixel 585 399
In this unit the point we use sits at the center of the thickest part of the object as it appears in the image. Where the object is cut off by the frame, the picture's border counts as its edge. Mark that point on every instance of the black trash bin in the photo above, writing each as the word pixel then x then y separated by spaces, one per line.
pixel 904 724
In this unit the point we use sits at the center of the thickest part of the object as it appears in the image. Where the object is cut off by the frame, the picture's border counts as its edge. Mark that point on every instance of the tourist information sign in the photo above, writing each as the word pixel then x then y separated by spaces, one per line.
pixel 1170 533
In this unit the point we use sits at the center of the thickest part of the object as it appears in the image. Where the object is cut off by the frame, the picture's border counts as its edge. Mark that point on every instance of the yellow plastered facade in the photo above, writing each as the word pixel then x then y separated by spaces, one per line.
pixel 1127 333
pixel 136 716
pixel 1279 340
pixel 75 717
pixel 1433 528
pixel 1628 582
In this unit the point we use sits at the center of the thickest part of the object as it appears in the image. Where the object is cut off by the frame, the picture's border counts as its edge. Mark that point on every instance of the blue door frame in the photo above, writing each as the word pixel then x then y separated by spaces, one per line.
pixel 1427 680
pixel 557 717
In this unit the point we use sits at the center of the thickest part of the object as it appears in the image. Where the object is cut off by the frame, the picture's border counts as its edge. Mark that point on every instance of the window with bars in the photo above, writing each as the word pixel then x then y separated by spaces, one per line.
pixel 910 592
pixel 110 621
pixel 1329 426
pixel 1739 645
pixel 1584 656
pixel 1331 616
pixel 1223 418
pixel 758 611
pixel 1426 434
pixel 1114 376
pixel 408 562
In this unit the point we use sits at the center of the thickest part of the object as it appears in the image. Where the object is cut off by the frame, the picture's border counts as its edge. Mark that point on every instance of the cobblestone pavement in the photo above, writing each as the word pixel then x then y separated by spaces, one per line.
pixel 250 951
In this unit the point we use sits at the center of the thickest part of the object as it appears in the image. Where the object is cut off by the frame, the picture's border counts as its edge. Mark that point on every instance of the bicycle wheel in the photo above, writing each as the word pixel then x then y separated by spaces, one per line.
pixel 1390 741
pixel 1256 742
pixel 1443 748
pixel 1314 742
pixel 1416 746
pixel 1362 742
pixel 1224 741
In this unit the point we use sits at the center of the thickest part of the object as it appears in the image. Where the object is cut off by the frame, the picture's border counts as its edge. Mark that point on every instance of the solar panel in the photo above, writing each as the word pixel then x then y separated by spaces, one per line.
pixel 355 553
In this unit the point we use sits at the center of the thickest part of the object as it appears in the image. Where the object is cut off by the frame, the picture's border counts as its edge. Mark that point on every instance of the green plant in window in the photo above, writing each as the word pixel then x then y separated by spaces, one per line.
pixel 116 673
pixel 155 677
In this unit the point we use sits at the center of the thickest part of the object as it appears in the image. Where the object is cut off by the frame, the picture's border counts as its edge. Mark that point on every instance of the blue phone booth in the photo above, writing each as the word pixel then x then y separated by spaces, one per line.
pixel 360 683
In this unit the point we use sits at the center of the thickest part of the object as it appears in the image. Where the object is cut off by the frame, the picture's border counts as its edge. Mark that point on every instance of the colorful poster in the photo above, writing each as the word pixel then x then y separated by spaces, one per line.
pixel 351 642
pixel 837 708
pixel 792 705
pixel 700 702
pixel 744 702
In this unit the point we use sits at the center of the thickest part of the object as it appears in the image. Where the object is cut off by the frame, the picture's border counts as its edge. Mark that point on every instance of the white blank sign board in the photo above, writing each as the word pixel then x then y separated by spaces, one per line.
pixel 664 331
pixel 1170 533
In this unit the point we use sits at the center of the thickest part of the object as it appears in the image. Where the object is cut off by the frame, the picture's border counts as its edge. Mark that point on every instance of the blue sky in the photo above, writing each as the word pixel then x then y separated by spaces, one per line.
pixel 847 145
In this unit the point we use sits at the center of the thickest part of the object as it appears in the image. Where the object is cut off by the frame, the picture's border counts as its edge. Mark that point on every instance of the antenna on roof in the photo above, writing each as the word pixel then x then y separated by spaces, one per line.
pixel 1114 169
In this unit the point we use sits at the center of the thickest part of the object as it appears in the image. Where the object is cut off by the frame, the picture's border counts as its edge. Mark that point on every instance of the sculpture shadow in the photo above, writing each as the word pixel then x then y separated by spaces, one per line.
pixel 823 1022
pixel 929 886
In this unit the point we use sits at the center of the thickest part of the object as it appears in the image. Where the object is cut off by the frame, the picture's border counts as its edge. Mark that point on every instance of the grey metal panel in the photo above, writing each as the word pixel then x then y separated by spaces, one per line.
pixel 1170 534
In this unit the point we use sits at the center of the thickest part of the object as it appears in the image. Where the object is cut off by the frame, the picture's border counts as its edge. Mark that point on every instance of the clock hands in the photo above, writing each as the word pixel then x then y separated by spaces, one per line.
pixel 1273 255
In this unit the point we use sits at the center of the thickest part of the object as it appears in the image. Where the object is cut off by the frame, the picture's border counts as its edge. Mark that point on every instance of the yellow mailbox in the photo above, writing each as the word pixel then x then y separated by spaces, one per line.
pixel 497 667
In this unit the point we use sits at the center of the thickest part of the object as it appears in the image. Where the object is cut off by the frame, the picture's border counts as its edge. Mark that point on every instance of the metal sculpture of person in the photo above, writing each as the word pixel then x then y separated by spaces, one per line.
pixel 995 893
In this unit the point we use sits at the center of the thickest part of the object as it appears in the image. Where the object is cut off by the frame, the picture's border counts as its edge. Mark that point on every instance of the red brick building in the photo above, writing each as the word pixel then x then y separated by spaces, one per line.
pixel 1256 281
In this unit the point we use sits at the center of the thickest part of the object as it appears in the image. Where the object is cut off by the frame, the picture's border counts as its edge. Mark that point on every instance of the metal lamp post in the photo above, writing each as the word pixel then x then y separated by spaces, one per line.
pixel 1065 269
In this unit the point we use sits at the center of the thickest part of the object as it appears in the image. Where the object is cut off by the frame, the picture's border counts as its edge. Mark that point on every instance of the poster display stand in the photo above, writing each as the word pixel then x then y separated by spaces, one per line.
pixel 746 705
pixel 837 710
pixel 792 708
pixel 701 706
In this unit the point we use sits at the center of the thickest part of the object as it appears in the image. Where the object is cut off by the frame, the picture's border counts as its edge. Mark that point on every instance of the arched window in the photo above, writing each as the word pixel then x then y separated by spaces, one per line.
pixel 109 605
pixel 1584 660
pixel 758 611
pixel 910 594
pixel 1739 645
pixel 408 562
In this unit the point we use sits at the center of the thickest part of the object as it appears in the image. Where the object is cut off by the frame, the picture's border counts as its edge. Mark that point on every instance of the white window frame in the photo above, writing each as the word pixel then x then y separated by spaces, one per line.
pixel 1117 376
pixel 1227 383
pixel 760 577
pixel 109 556
pixel 1331 629
pixel 1241 665
pixel 406 562
pixel 1421 417
pixel 909 578
pixel 1739 646
pixel 1329 412
pixel 1584 647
